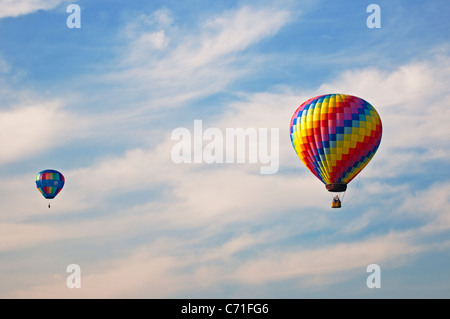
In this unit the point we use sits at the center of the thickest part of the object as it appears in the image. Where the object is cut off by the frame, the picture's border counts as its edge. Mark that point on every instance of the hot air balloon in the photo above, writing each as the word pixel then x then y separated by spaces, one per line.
pixel 49 182
pixel 335 136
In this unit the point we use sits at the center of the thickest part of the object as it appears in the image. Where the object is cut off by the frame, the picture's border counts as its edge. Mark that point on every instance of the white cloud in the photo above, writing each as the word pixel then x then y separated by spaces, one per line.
pixel 31 126
pixel 231 32
pixel 429 206
pixel 17 236
pixel 158 40
pixel 142 23
pixel 326 264
pixel 166 268
pixel 140 275
pixel 14 8
pixel 173 66
pixel 147 33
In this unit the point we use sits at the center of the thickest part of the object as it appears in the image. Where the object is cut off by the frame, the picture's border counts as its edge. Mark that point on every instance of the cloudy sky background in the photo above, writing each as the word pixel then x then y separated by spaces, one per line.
pixel 100 103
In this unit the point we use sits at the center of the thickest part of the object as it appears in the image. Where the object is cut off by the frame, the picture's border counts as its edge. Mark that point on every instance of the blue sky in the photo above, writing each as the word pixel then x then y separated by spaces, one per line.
pixel 100 103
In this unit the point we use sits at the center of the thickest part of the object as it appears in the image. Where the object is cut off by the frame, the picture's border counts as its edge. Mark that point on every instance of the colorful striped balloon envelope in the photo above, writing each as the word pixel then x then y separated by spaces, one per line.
pixel 335 136
pixel 49 182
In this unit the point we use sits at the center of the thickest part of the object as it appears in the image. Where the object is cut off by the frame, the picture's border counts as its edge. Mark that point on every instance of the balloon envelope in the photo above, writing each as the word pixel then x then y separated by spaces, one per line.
pixel 335 136
pixel 49 182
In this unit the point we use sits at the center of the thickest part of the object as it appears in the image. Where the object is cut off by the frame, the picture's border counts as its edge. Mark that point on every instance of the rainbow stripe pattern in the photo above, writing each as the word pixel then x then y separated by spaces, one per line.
pixel 335 136
pixel 49 182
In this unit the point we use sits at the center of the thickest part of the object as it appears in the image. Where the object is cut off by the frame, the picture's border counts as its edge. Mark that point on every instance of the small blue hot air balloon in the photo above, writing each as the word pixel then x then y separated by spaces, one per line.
pixel 49 182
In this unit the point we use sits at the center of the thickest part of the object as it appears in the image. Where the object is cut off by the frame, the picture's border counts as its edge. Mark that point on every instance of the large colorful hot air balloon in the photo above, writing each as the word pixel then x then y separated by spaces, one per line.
pixel 335 136
pixel 49 182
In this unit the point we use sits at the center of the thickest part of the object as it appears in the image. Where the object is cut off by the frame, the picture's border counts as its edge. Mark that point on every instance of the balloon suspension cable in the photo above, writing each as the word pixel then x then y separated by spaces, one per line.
pixel 354 192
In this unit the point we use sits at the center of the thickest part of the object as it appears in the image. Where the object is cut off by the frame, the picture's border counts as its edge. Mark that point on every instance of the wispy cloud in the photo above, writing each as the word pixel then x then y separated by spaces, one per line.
pixel 326 264
pixel 14 8
pixel 176 273
pixel 33 127
pixel 5 67
pixel 173 66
